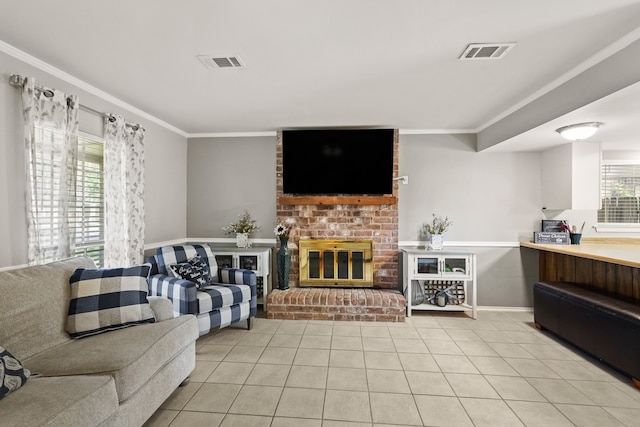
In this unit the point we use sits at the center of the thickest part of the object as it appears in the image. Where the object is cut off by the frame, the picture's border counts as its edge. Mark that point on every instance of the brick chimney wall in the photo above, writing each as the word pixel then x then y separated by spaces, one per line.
pixel 344 222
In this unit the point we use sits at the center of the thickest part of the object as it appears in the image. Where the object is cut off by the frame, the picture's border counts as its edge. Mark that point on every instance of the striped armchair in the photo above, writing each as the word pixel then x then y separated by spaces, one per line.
pixel 229 298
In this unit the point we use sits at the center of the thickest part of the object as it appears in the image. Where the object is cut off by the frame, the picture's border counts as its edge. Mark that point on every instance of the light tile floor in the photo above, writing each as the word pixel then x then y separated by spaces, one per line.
pixel 432 370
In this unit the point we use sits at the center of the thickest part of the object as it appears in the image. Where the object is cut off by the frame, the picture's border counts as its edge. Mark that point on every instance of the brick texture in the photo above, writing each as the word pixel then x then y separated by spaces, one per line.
pixel 375 305
pixel 348 222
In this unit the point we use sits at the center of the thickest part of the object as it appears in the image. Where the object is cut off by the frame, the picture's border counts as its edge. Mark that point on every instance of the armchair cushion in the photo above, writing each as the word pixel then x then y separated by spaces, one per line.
pixel 231 287
pixel 218 296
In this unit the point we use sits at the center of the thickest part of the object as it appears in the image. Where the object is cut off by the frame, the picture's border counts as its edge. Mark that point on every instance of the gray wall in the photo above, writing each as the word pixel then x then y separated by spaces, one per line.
pixel 166 162
pixel 227 176
pixel 489 196
pixel 494 200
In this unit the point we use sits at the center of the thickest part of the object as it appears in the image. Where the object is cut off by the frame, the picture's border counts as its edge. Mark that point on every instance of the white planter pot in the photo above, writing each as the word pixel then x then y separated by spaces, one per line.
pixel 242 240
pixel 436 242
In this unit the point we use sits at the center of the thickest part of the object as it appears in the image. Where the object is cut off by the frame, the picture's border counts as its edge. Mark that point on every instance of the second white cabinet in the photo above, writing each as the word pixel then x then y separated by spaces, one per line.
pixel 448 279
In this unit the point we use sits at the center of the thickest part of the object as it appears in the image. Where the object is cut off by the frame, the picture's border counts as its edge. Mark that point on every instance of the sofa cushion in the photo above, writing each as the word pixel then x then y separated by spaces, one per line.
pixel 131 355
pixel 195 270
pixel 108 299
pixel 61 401
pixel 34 305
pixel 214 297
pixel 12 374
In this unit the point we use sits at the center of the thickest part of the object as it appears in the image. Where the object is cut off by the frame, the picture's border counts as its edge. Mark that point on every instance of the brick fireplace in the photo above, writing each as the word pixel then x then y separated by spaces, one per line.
pixel 348 218
pixel 344 218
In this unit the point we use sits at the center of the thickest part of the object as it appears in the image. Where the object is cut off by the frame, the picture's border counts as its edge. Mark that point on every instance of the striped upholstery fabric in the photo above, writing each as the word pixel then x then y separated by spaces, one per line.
pixel 223 317
pixel 170 255
pixel 107 299
pixel 230 298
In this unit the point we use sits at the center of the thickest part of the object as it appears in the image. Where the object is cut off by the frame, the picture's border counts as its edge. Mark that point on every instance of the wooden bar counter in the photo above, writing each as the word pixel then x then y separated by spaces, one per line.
pixel 608 265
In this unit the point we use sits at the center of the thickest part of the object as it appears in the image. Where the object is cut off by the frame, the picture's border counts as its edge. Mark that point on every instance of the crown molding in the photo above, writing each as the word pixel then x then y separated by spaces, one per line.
pixel 434 131
pixel 232 134
pixel 56 72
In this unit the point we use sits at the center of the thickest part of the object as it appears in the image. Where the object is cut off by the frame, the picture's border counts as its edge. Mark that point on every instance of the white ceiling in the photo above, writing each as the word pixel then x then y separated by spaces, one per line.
pixel 618 111
pixel 313 63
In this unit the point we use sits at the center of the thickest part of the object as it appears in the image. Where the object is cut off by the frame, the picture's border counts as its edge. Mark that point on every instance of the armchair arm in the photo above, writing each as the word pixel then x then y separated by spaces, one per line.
pixel 181 293
pixel 162 308
pixel 237 276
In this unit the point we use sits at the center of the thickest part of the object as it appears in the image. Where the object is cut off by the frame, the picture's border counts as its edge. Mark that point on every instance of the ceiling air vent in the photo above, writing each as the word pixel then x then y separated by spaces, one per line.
pixel 486 51
pixel 221 62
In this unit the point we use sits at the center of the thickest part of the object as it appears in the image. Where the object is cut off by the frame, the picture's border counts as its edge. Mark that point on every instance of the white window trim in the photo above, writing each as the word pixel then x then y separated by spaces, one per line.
pixel 604 227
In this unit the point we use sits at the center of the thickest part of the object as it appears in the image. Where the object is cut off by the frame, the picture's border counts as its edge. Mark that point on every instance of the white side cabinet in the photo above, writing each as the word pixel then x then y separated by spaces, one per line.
pixel 256 258
pixel 449 279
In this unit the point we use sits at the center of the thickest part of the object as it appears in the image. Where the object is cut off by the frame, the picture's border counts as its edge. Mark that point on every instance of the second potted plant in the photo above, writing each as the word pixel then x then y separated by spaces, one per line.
pixel 435 229
pixel 242 229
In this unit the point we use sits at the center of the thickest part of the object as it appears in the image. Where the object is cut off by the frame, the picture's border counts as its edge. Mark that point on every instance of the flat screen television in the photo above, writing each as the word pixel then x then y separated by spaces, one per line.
pixel 337 162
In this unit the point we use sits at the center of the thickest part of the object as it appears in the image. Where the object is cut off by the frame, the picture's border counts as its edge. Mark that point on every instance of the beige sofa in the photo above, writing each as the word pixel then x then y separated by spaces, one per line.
pixel 116 378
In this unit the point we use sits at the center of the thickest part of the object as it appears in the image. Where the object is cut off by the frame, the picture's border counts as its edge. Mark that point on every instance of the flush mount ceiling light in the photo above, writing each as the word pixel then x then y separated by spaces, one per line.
pixel 579 131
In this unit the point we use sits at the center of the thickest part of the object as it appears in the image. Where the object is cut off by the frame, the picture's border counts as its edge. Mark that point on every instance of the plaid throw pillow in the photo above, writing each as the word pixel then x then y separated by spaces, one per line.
pixel 195 270
pixel 12 374
pixel 107 299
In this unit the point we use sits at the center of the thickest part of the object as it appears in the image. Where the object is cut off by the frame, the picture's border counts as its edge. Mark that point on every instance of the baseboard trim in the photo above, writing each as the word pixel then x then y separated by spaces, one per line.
pixel 501 308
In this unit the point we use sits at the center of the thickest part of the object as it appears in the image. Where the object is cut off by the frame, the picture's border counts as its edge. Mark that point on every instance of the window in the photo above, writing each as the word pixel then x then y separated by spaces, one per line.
pixel 87 205
pixel 84 208
pixel 619 192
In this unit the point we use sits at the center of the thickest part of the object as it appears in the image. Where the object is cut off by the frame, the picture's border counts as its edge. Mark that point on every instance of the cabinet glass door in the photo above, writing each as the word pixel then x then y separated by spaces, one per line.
pixel 456 266
pixel 249 262
pixel 427 265
pixel 224 261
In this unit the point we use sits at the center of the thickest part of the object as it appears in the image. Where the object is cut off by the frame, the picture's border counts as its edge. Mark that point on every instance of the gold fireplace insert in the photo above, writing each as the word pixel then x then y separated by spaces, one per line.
pixel 336 263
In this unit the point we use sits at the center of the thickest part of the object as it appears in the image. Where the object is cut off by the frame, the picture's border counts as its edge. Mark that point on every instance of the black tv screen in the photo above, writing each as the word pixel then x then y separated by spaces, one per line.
pixel 337 162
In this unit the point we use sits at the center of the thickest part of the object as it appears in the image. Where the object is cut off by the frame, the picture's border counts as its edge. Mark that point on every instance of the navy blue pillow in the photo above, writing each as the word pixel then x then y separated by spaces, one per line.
pixel 12 374
pixel 194 270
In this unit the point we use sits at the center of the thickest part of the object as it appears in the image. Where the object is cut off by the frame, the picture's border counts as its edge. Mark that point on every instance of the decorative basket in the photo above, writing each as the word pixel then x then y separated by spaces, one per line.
pixel 443 292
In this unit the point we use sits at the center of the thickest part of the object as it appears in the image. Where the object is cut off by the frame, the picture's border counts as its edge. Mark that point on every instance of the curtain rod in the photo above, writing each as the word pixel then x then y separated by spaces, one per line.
pixel 17 80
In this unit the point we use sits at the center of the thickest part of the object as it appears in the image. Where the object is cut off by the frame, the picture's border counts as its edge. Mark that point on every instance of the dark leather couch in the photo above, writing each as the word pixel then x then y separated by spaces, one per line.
pixel 604 326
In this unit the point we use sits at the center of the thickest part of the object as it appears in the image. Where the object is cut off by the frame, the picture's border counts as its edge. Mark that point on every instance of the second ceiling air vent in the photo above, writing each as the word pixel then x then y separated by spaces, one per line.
pixel 486 51
pixel 221 62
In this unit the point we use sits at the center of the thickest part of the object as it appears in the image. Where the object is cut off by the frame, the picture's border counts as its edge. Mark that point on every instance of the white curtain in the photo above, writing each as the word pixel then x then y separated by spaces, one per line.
pixel 51 128
pixel 123 192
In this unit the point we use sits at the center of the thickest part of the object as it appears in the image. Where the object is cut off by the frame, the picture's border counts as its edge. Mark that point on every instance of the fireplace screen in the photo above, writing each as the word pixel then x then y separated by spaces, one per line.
pixel 336 263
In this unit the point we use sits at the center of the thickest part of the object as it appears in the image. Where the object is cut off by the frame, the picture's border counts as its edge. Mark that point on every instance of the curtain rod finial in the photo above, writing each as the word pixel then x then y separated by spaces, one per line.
pixel 16 80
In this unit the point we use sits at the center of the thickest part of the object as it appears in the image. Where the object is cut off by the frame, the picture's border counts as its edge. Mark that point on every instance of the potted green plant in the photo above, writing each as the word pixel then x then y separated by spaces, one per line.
pixel 435 230
pixel 242 229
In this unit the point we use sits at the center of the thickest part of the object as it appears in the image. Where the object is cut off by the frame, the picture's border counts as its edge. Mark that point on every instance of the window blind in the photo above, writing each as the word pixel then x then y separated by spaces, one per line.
pixel 620 194
pixel 87 207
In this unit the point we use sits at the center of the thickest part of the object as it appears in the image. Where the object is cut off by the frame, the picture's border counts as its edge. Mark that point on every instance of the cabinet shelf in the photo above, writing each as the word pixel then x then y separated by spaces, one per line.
pixel 448 276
